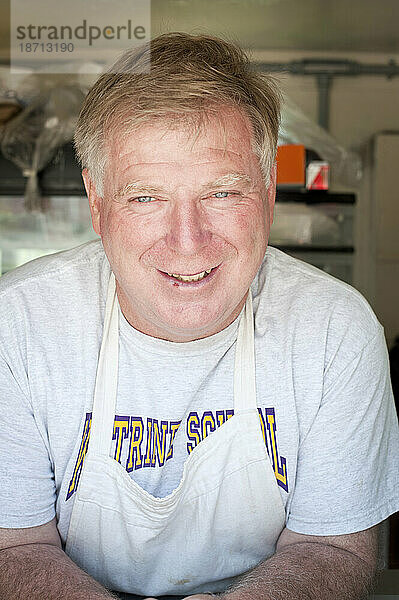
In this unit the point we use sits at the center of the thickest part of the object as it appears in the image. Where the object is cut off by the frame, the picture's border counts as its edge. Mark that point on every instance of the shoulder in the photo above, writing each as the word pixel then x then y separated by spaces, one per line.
pixel 55 279
pixel 53 289
pixel 312 305
pixel 49 270
pixel 299 281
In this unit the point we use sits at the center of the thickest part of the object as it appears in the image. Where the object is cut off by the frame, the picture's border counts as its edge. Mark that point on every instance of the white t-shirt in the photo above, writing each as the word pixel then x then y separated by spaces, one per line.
pixel 323 393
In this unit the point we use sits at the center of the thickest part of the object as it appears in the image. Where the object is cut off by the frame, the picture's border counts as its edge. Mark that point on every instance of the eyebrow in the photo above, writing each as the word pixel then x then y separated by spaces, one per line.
pixel 141 186
pixel 231 179
pixel 135 186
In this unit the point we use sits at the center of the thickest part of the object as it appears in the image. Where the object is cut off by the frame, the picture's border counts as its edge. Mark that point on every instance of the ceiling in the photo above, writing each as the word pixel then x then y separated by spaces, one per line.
pixel 308 25
pixel 355 25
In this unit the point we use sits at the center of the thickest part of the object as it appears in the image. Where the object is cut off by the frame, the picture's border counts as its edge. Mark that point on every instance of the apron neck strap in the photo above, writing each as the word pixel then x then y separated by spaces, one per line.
pixel 105 392
pixel 244 366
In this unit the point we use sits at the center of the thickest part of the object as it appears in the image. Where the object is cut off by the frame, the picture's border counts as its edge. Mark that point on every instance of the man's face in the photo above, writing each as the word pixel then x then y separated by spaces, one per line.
pixel 182 203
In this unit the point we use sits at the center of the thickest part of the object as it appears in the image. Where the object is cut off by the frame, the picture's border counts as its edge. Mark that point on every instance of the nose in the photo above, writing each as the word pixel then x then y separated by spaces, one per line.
pixel 188 231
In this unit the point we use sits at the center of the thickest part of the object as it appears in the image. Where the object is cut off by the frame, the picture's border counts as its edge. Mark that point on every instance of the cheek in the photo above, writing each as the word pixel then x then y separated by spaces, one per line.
pixel 120 228
pixel 252 229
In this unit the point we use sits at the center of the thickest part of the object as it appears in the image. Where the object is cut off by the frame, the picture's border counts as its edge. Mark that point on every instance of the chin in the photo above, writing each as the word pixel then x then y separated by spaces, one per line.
pixel 192 329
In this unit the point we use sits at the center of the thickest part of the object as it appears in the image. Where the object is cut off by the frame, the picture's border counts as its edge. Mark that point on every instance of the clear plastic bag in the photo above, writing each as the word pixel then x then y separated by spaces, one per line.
pixel 297 128
pixel 32 137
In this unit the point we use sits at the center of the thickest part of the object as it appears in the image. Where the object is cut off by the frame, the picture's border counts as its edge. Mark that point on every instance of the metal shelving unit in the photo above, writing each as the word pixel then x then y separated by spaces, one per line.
pixel 317 227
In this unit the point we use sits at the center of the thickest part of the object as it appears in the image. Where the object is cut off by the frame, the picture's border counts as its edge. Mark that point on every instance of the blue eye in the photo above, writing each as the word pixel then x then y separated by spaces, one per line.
pixel 221 194
pixel 144 199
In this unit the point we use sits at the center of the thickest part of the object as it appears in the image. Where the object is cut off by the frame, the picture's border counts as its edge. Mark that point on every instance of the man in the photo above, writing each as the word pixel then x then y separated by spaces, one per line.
pixel 188 413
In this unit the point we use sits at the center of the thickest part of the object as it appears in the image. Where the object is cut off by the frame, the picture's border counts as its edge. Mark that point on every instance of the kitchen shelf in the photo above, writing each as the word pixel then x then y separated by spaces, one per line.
pixel 61 177
pixel 313 225
pixel 314 196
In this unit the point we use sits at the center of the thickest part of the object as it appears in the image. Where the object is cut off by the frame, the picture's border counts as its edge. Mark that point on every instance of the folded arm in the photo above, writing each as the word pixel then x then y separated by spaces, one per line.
pixel 33 565
pixel 307 567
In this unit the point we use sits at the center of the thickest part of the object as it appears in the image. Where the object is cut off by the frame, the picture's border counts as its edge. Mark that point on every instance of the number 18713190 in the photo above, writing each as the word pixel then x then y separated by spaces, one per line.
pixel 46 47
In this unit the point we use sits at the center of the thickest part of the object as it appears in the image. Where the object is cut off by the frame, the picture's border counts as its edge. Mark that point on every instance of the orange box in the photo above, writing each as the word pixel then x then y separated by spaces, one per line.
pixel 291 165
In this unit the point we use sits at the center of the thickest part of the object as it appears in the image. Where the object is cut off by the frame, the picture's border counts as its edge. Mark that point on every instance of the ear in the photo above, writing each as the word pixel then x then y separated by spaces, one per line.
pixel 271 192
pixel 94 201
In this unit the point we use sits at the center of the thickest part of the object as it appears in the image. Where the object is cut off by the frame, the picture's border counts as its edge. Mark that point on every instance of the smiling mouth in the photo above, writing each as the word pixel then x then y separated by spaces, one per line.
pixel 190 278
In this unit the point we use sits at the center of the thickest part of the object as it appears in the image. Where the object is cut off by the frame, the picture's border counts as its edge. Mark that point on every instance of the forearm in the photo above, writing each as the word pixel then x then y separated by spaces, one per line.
pixel 307 571
pixel 38 571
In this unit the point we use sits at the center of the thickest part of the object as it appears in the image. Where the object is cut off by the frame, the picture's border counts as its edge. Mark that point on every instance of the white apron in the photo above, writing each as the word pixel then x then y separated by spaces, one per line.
pixel 223 518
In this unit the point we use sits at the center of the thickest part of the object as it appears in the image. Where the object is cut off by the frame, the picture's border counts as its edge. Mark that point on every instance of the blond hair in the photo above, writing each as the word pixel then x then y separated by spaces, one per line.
pixel 188 76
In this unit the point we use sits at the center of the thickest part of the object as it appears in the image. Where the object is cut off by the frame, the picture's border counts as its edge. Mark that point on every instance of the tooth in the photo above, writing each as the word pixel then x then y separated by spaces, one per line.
pixel 189 278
